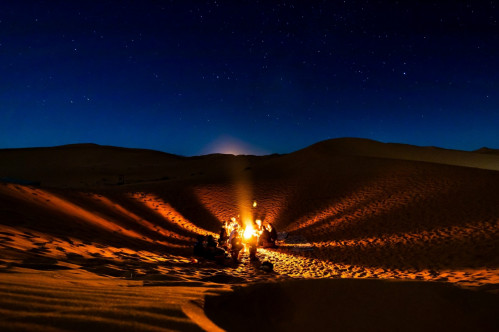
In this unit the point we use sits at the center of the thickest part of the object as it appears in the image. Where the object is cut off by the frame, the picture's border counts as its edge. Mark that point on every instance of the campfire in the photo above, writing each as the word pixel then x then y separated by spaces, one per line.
pixel 249 232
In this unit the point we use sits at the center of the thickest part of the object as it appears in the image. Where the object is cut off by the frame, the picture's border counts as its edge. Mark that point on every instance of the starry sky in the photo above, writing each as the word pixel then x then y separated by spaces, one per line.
pixel 256 77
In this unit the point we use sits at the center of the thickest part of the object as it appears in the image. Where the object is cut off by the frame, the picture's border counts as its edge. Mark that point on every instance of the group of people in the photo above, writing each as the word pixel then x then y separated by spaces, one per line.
pixel 231 241
pixel 206 247
pixel 267 235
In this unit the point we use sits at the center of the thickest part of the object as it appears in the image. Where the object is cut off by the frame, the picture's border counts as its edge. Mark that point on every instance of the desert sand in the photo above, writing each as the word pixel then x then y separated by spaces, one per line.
pixel 372 236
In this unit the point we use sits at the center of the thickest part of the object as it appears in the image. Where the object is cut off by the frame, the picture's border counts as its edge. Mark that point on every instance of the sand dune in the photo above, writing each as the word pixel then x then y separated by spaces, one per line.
pixel 484 158
pixel 103 220
pixel 488 151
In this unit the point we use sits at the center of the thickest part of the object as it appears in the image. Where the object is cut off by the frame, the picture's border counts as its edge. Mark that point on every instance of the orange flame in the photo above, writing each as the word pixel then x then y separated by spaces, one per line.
pixel 249 231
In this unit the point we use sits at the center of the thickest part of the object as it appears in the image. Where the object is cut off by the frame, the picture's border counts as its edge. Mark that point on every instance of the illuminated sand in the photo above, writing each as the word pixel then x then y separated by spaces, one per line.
pixel 81 235
pixel 76 300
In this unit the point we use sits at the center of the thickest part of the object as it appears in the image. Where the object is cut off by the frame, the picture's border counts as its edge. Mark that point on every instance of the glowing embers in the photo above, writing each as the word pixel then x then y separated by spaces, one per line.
pixel 164 209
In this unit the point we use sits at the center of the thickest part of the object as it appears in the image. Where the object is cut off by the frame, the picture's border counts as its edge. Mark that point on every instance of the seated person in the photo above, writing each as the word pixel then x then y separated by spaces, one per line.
pixel 236 244
pixel 252 244
pixel 264 236
pixel 273 234
pixel 222 239
pixel 212 251
pixel 199 246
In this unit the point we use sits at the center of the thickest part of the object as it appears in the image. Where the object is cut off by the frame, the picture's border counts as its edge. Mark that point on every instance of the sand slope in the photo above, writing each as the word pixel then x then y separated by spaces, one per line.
pixel 345 208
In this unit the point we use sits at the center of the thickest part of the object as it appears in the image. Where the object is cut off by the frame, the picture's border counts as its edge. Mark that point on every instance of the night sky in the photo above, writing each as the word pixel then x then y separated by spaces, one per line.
pixel 194 77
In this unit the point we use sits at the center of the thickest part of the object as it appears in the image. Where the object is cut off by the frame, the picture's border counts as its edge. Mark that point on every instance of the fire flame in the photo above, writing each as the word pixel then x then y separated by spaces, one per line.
pixel 249 231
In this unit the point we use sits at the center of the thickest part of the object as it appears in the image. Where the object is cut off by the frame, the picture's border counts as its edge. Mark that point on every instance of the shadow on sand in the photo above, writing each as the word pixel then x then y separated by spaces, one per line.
pixel 354 305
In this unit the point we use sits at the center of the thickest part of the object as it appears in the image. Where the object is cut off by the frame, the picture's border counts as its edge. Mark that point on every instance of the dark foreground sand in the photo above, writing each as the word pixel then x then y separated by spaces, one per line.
pixel 353 304
pixel 95 238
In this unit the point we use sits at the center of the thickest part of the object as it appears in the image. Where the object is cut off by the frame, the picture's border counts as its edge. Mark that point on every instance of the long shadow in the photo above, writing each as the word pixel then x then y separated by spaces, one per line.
pixel 316 188
pixel 90 204
pixel 334 215
pixel 150 215
pixel 354 305
pixel 429 196
pixel 457 199
pixel 185 201
pixel 449 251
pixel 20 214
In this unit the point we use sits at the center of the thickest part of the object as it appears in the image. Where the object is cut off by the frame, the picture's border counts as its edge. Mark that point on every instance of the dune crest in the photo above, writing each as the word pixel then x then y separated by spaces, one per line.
pixel 484 158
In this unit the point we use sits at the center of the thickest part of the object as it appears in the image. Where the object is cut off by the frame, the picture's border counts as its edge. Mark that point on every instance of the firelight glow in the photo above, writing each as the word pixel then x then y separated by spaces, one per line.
pixel 249 231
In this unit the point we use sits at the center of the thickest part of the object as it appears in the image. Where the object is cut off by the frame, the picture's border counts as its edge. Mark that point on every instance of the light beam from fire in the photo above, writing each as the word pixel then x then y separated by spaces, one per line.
pixel 243 192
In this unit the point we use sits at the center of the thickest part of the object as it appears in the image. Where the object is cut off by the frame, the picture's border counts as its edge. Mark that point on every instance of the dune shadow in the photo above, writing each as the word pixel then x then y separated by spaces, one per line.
pixel 437 254
pixel 69 227
pixel 152 216
pixel 108 206
pixel 187 203
pixel 40 263
pixel 353 305
pixel 416 210
pixel 318 193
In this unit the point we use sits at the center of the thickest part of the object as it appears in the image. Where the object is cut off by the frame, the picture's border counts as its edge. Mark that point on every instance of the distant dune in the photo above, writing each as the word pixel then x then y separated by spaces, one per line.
pixel 91 165
pixel 81 221
pixel 484 158
pixel 488 151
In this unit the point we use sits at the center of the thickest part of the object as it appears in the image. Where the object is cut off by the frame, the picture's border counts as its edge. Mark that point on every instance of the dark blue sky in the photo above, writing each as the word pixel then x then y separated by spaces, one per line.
pixel 186 77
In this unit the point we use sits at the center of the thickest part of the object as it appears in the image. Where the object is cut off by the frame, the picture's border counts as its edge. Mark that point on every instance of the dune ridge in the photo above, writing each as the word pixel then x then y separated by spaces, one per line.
pixel 483 158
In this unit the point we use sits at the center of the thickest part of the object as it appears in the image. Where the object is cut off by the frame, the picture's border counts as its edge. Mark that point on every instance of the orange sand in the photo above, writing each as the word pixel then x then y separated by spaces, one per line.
pixel 345 208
